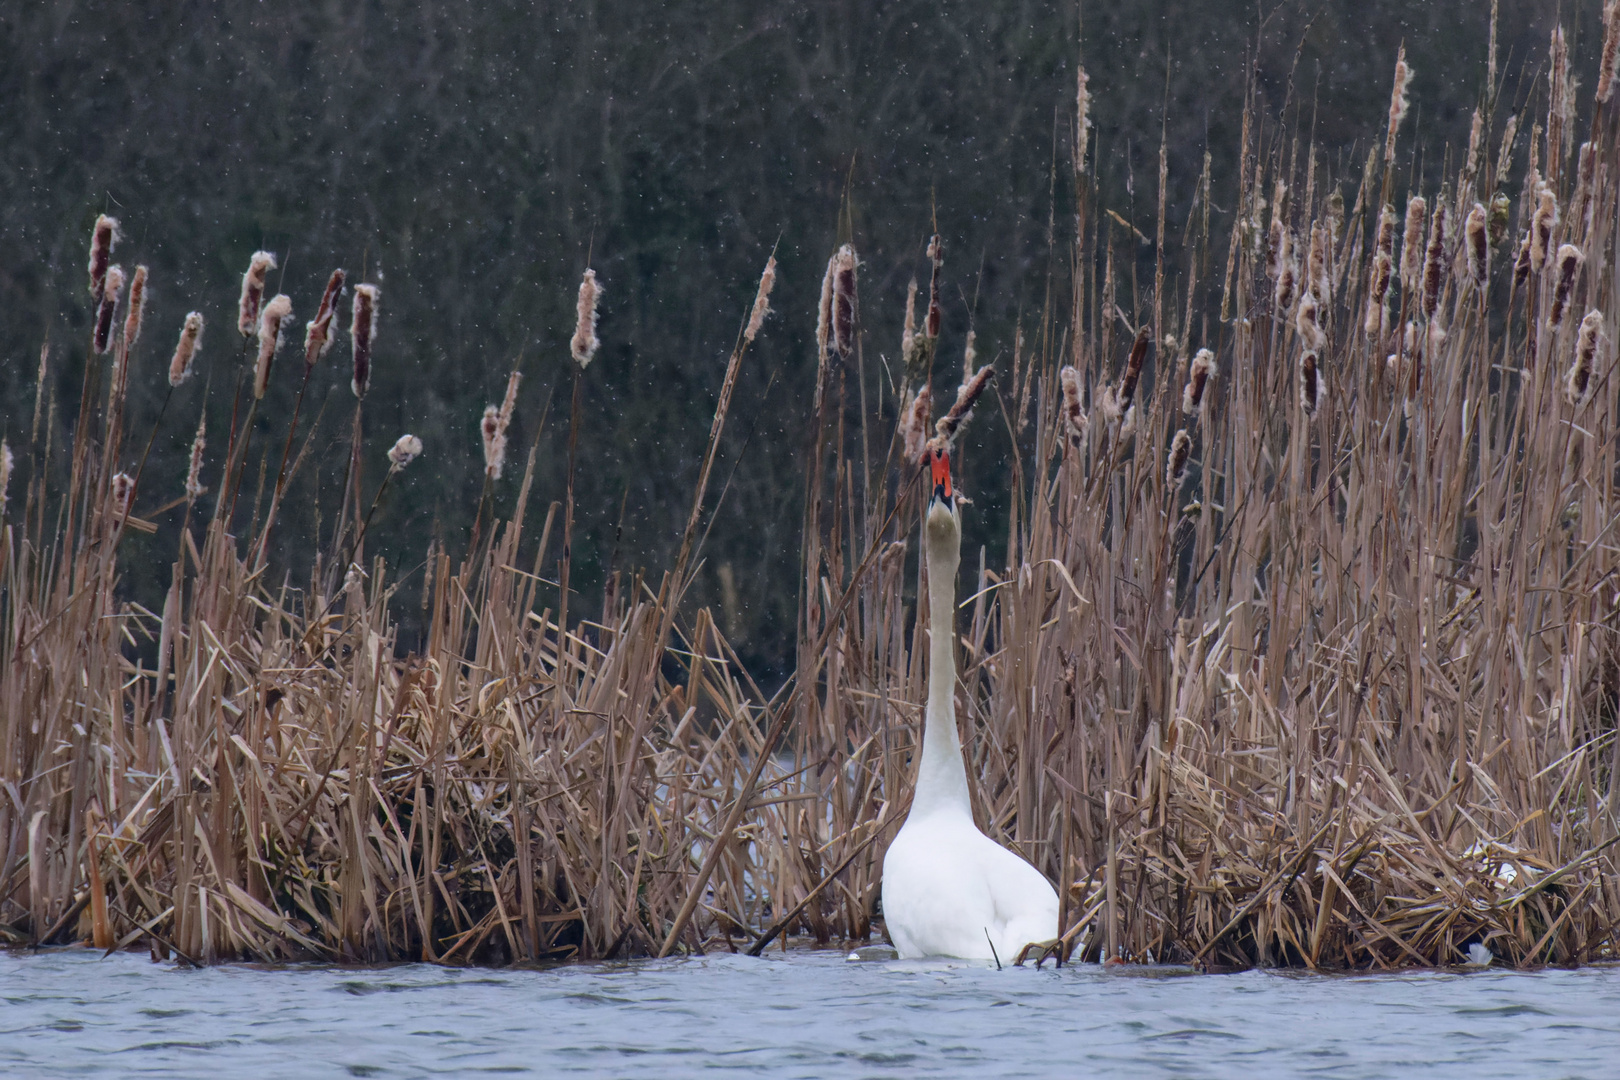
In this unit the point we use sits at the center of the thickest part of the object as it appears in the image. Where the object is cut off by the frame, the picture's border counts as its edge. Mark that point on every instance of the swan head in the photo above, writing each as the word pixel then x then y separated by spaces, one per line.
pixel 944 507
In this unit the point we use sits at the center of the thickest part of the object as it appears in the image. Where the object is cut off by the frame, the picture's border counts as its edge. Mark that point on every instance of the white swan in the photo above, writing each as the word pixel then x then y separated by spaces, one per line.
pixel 948 889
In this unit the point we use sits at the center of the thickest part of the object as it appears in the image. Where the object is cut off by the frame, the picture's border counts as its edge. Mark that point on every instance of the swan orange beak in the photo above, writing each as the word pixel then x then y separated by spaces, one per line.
pixel 941 462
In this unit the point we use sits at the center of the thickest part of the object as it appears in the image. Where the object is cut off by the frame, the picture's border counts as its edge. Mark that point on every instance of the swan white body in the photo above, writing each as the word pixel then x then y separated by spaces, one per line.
pixel 948 889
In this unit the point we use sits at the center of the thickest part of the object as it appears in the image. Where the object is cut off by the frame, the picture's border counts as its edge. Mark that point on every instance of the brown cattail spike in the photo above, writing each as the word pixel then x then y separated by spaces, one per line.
pixel 1176 467
pixel 1541 228
pixel 247 306
pixel 272 322
pixel 1287 278
pixel 945 431
pixel 1133 368
pixel 1198 377
pixel 914 425
pixel 102 238
pixel 1075 421
pixel 585 343
pixel 762 301
pixel 318 331
pixel 1397 103
pixel 137 308
pixel 403 452
pixel 1318 280
pixel 1569 264
pixel 1308 325
pixel 112 284
pixel 185 349
pixel 825 307
pixel 494 442
pixel 1417 212
pixel 1311 392
pixel 1611 50
pixel 1437 260
pixel 843 301
pixel 363 332
pixel 194 486
pixel 1578 386
pixel 1377 322
pixel 1082 110
pixel 1479 247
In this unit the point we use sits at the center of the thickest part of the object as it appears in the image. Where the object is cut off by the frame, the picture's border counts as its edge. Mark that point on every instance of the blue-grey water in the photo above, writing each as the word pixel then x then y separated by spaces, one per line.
pixel 803 1014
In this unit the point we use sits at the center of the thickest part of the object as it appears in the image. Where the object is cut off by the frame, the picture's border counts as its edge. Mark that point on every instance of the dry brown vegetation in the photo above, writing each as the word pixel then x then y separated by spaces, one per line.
pixel 1308 657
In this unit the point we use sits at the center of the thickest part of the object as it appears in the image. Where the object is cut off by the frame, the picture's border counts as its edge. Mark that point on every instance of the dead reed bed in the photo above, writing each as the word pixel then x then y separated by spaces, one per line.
pixel 1304 649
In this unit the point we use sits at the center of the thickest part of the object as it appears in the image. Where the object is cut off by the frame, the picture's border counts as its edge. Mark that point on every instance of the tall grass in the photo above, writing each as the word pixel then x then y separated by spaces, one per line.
pixel 1304 650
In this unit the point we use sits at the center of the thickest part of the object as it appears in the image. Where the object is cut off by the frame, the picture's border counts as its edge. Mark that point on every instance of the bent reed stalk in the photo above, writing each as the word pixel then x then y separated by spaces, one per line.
pixel 1306 652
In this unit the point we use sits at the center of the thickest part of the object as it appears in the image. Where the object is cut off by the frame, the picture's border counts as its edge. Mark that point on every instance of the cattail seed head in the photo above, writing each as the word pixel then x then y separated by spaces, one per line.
pixel 102 238
pixel 1578 386
pixel 1307 324
pixel 1521 262
pixel 824 310
pixel 762 301
pixel 585 343
pixel 1133 368
pixel 908 334
pixel 1283 296
pixel 1376 323
pixel 509 402
pixel 247 306
pixel 1318 280
pixel 1417 212
pixel 1082 110
pixel 1611 51
pixel 1385 239
pixel 1542 226
pixel 1176 467
pixel 318 331
pixel 272 324
pixel 494 442
pixel 914 425
pixel 936 258
pixel 1436 262
pixel 947 427
pixel 1560 101
pixel 1504 156
pixel 111 286
pixel 1397 103
pixel 1569 264
pixel 7 463
pixel 1276 246
pixel 843 301
pixel 186 348
pixel 363 333
pixel 137 307
pixel 1198 377
pixel 1479 248
pixel 123 489
pixel 403 452
pixel 1501 206
pixel 1075 421
pixel 970 355
pixel 1311 392
pixel 194 486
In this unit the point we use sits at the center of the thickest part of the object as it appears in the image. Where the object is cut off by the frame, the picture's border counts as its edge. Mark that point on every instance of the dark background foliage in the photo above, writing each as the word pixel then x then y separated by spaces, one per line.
pixel 472 158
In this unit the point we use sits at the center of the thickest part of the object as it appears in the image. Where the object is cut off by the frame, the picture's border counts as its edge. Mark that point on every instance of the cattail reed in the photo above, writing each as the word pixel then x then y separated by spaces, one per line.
pixel 1542 226
pixel 1611 49
pixel 1197 388
pixel 843 301
pixel 1308 325
pixel 1521 262
pixel 1397 104
pixel 7 463
pixel 247 306
pixel 272 322
pixel 762 301
pixel 102 238
pixel 1377 320
pixel 1133 368
pixel 1578 386
pixel 945 430
pixel 403 452
pixel 1176 467
pixel 1479 248
pixel 1504 157
pixel 186 348
pixel 1082 110
pixel 585 343
pixel 318 331
pixel 1569 264
pixel 914 425
pixel 194 487
pixel 112 284
pixel 1283 295
pixel 1417 212
pixel 363 332
pixel 1437 260
pixel 1277 243
pixel 1311 392
pixel 137 308
pixel 123 489
pixel 1074 417
pixel 1318 280
pixel 494 442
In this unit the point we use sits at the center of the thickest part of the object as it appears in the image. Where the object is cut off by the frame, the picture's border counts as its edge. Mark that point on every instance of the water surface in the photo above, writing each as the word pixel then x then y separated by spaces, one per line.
pixel 803 1014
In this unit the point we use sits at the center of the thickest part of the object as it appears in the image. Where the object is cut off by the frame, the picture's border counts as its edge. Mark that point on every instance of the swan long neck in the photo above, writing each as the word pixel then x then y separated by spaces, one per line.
pixel 941 774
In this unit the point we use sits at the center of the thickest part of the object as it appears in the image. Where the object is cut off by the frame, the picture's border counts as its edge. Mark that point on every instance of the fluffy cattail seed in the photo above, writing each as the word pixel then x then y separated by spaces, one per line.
pixel 585 343
pixel 194 486
pixel 1198 377
pixel 1569 264
pixel 843 301
pixel 1307 324
pixel 1541 228
pixel 1176 468
pixel 1479 248
pixel 1437 261
pixel 1074 417
pixel 1377 321
pixel 1578 386
pixel 272 322
pixel 1417 212
pixel 137 307
pixel 318 331
pixel 363 332
pixel 1311 391
pixel 494 442
pixel 914 425
pixel 1397 103
pixel 102 238
pixel 762 301
pixel 185 349
pixel 1283 298
pixel 123 490
pixel 112 284
pixel 247 307
pixel 403 452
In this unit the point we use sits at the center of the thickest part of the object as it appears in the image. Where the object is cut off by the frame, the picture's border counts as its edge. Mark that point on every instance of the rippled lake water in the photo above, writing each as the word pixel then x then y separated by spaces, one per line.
pixel 803 1014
